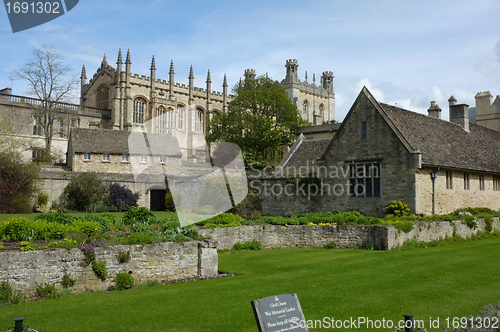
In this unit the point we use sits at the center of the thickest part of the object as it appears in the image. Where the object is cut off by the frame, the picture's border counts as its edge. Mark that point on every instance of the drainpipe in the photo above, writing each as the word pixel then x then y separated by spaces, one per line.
pixel 434 175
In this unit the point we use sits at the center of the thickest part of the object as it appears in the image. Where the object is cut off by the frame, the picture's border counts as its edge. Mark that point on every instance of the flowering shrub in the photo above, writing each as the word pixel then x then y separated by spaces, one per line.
pixel 397 208
pixel 120 198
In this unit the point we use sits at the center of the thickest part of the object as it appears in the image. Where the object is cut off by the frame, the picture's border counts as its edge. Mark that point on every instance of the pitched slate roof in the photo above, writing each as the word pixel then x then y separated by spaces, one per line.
pixel 305 152
pixel 446 144
pixel 123 142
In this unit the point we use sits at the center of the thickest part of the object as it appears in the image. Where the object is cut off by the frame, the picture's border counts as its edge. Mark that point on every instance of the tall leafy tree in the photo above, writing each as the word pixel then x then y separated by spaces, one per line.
pixel 261 120
pixel 50 81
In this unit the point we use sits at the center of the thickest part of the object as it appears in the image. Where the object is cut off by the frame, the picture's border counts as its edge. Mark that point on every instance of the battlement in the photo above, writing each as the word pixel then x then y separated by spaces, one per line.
pixel 292 62
pixel 484 94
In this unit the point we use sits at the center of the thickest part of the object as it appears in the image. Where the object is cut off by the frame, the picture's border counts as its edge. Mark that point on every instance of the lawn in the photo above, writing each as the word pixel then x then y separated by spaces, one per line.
pixel 449 281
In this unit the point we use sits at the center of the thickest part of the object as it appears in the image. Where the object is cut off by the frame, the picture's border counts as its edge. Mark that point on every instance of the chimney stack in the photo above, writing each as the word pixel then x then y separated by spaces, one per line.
pixel 459 114
pixel 434 111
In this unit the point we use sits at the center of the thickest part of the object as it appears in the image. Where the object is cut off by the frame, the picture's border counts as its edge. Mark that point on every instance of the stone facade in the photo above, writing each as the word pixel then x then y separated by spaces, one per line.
pixel 480 187
pixel 487 110
pixel 161 261
pixel 316 103
pixel 20 114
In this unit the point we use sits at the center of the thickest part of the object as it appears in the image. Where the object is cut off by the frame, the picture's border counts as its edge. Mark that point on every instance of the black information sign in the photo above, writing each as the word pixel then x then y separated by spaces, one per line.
pixel 279 313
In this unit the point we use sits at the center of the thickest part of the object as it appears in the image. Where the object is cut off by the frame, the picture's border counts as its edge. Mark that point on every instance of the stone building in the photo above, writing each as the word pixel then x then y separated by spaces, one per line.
pixel 383 153
pixel 116 98
pixel 435 166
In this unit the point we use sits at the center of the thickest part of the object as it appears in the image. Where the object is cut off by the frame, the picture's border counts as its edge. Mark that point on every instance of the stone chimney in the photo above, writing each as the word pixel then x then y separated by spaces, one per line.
pixel 434 111
pixel 459 114
pixel 487 110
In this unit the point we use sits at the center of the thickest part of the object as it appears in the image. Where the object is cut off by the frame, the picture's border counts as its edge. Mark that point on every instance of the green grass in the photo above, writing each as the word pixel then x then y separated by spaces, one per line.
pixel 33 216
pixel 449 281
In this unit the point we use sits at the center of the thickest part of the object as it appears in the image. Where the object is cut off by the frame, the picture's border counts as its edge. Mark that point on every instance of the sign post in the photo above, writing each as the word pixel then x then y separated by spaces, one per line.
pixel 279 313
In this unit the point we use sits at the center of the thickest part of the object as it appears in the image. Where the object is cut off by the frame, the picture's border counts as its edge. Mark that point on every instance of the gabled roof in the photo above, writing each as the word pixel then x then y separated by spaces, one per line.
pixel 441 143
pixel 122 142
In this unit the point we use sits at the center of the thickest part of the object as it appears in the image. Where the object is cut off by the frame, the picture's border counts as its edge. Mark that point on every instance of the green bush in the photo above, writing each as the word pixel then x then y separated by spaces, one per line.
pixel 5 292
pixel 83 190
pixel 136 238
pixel 123 257
pixel 57 217
pixel 67 281
pixel 86 227
pixel 124 281
pixel 100 269
pixel 249 245
pixel 223 220
pixel 17 183
pixel 65 244
pixel 138 214
pixel 46 291
pixel 330 245
pixel 170 201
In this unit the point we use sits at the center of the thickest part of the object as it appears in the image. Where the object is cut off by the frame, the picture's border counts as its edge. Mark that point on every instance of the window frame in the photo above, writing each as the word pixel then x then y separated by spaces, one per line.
pixel 125 158
pixel 106 157
pixel 368 175
pixel 86 156
pixel 138 112
pixel 144 159
pixel 449 180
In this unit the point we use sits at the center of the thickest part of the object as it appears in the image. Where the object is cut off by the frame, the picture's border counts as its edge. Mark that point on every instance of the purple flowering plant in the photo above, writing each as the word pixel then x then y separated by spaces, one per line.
pixel 89 249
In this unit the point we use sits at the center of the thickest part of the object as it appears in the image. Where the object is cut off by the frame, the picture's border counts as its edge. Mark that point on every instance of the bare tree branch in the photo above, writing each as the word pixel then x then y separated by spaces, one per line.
pixel 50 81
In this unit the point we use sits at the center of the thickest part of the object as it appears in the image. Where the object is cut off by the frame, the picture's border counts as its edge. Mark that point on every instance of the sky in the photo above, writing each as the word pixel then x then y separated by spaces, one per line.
pixel 407 53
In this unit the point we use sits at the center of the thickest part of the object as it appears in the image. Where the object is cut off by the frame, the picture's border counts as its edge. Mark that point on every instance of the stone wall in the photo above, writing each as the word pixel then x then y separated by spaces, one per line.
pixel 430 231
pixel 161 261
pixel 274 236
pixel 344 236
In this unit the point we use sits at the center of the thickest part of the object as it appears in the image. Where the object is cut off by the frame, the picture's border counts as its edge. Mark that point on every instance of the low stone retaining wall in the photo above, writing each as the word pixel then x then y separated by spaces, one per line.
pixel 344 236
pixel 162 261
pixel 274 236
pixel 430 231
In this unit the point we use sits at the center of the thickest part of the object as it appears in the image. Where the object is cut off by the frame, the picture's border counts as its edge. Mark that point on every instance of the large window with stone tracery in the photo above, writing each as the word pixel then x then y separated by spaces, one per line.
pixel 102 100
pixel 138 112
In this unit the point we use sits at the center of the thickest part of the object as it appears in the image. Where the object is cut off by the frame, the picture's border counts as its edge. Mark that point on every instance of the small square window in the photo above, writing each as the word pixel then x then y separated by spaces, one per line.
pixel 105 157
pixel 144 159
pixel 86 156
pixel 124 158
pixel 163 159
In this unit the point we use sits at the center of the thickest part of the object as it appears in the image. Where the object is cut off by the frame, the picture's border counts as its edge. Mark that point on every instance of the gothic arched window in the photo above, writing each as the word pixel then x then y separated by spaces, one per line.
pixel 198 121
pixel 161 120
pixel 102 100
pixel 138 112
pixel 321 109
pixel 305 107
pixel 180 117
pixel 170 120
